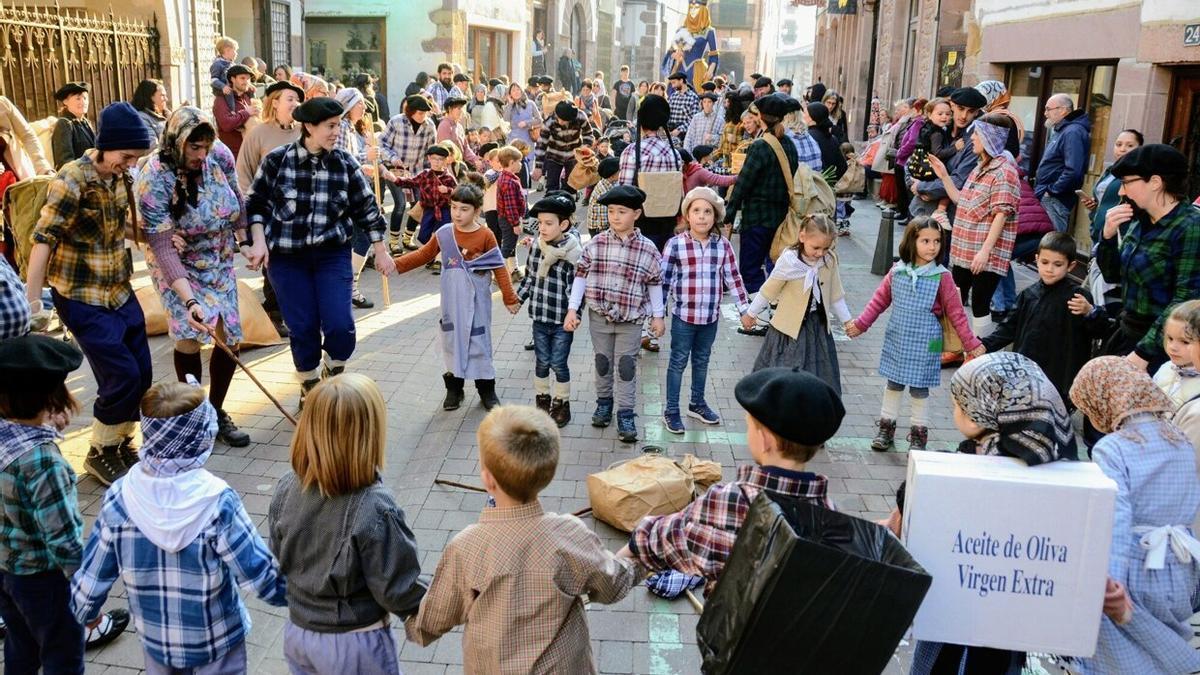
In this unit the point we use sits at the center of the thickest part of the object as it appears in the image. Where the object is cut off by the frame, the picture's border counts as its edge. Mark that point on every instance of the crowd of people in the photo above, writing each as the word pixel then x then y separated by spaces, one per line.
pixel 296 181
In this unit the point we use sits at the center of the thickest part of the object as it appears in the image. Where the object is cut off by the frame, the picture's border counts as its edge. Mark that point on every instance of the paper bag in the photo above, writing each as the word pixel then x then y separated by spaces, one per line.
pixel 152 308
pixel 257 329
pixel 649 485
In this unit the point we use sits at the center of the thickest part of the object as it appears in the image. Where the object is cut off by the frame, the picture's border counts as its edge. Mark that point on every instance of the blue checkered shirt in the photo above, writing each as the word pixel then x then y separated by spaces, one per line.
pixel 440 93
pixel 304 200
pixel 14 308
pixel 807 148
pixel 684 106
pixel 185 605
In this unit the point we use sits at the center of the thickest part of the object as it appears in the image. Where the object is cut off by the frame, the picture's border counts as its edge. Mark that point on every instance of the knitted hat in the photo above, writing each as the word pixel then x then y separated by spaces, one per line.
pixel 122 128
pixel 709 195
pixel 654 113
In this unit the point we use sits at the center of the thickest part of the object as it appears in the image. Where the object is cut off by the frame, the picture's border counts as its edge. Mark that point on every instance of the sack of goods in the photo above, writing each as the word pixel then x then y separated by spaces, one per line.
pixel 649 485
pixel 840 585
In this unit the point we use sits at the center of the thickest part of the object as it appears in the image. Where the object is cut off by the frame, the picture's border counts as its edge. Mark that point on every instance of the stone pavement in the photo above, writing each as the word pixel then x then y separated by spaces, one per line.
pixel 398 347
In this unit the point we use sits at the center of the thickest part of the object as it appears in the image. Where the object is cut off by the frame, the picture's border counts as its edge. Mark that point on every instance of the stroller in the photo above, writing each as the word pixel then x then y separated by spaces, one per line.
pixel 619 133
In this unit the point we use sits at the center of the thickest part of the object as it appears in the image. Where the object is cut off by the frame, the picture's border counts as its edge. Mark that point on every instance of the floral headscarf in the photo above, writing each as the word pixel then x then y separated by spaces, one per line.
pixel 182 123
pixel 1109 389
pixel 1008 394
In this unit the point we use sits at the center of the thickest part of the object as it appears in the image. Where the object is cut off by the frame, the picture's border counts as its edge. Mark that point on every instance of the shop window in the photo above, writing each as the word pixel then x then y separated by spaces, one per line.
pixel 342 48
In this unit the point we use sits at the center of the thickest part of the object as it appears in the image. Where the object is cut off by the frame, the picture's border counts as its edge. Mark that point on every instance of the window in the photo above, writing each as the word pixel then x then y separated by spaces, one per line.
pixel 489 53
pixel 281 32
pixel 342 48
pixel 732 14
pixel 910 47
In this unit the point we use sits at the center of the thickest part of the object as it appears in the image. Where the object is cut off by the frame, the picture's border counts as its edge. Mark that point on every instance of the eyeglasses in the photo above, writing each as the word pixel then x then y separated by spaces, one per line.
pixel 1131 179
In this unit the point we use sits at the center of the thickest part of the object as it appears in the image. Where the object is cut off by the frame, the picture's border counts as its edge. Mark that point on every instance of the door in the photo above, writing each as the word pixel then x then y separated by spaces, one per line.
pixel 1183 123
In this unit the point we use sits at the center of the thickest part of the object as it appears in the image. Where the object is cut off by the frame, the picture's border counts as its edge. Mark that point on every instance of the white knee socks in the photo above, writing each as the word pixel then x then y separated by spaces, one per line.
pixel 891 404
pixel 541 386
pixel 919 417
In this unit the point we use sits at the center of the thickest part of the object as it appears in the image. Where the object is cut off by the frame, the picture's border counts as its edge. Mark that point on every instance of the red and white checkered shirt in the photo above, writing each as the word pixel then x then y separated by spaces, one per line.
pixel 510 198
pixel 657 156
pixel 619 274
pixel 990 189
pixel 697 275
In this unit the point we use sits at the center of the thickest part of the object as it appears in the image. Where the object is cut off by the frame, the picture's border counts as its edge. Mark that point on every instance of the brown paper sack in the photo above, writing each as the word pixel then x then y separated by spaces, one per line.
pixel 257 329
pixel 649 485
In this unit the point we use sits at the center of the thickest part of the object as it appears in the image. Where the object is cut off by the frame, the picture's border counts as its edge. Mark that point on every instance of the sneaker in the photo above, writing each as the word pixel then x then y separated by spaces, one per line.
pixel 305 387
pixel 918 437
pixel 604 412
pixel 112 624
pixel 673 422
pixel 626 426
pixel 359 300
pixel 529 346
pixel 650 344
pixel 702 412
pixel 542 401
pixel 560 412
pixel 886 436
pixel 105 464
pixel 228 433
pixel 128 452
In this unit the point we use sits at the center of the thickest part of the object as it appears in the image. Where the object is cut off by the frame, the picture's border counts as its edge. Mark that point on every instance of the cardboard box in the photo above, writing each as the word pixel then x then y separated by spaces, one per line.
pixel 1018 554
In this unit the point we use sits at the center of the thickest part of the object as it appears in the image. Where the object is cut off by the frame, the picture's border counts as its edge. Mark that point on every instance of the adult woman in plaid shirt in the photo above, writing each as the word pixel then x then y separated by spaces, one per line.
pixel 403 145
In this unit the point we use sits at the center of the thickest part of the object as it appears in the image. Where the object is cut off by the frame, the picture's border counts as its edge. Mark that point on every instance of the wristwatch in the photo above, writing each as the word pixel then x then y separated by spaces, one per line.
pixel 248 243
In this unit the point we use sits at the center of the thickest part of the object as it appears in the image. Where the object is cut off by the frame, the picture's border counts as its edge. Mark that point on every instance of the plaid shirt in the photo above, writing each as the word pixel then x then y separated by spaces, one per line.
pixel 550 296
pixel 14 308
pixel 698 274
pixel 657 155
pixel 684 106
pixel 704 125
pixel 619 274
pixel 83 221
pixel 305 200
pixel 807 149
pixel 597 218
pixel 351 143
pixel 404 148
pixel 40 526
pixel 559 139
pixel 990 189
pixel 185 605
pixel 699 539
pixel 426 184
pixel 760 192
pixel 510 198
pixel 515 579
pixel 440 93
pixel 1157 266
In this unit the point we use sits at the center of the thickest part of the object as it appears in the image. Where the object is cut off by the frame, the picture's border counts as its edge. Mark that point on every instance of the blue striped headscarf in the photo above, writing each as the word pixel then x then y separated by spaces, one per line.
pixel 172 445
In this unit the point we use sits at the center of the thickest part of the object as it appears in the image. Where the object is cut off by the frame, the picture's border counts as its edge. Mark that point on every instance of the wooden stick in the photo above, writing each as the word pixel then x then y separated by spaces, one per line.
pixel 225 348
pixel 696 604
pixel 461 486
pixel 387 291
pixel 583 512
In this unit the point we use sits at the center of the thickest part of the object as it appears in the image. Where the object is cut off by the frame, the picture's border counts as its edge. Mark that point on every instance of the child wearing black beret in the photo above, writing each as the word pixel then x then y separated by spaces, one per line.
pixel 699 539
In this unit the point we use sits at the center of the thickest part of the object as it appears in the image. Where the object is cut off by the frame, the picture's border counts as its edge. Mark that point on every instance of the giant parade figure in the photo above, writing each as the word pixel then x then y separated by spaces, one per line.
pixel 694 47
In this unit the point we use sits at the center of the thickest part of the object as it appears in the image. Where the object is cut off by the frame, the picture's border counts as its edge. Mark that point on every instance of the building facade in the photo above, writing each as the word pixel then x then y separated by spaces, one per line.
pixel 746 35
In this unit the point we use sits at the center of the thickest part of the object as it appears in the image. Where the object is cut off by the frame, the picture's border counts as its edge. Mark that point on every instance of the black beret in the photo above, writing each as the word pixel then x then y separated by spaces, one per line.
pixel 437 150
pixel 709 86
pixel 793 403
pixel 417 103
pixel 969 97
pixel 38 360
pixel 284 84
pixel 609 166
pixel 70 89
pixel 495 82
pixel 453 102
pixel 677 76
pixel 784 83
pixel 237 69
pixel 654 112
pixel 533 81
pixel 777 105
pixel 709 96
pixel 486 148
pixel 819 113
pixel 1154 159
pixel 762 82
pixel 702 151
pixel 546 80
pixel 623 195
pixel 565 110
pixel 317 110
pixel 945 91
pixel 559 203
pixel 461 78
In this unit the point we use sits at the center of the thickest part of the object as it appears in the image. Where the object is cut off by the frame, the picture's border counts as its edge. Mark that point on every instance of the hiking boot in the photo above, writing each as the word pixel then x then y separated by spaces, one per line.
pixel 454 392
pixel 702 412
pixel 542 401
pixel 359 300
pixel 626 426
pixel 105 464
pixel 886 436
pixel 410 241
pixel 560 412
pixel 305 387
pixel 673 422
pixel 228 433
pixel 918 437
pixel 112 624
pixel 128 452
pixel 434 267
pixel 604 412
pixel 487 393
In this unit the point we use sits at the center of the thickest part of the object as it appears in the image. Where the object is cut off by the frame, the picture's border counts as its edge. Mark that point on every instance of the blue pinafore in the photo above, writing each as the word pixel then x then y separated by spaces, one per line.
pixel 912 344
pixel 467 308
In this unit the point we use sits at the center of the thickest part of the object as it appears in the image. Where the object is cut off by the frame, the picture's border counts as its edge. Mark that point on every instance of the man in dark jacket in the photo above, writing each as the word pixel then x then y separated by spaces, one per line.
pixel 1061 171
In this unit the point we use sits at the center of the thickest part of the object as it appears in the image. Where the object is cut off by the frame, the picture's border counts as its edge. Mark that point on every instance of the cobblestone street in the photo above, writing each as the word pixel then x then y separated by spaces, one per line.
pixel 398 347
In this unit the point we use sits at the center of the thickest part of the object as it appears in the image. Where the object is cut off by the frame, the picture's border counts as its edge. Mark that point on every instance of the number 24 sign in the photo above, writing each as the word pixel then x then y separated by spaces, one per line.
pixel 1191 35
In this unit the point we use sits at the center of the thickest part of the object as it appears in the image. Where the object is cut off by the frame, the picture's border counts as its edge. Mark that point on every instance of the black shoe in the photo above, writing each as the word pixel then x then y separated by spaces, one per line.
pixel 305 387
pixel 360 301
pixel 542 401
pixel 758 331
pixel 560 412
pixel 454 392
pixel 112 624
pixel 105 464
pixel 128 452
pixel 604 412
pixel 529 346
pixel 228 433
pixel 487 393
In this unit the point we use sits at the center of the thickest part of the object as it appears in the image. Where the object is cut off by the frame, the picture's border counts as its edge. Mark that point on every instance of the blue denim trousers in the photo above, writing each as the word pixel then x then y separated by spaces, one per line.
pixel 313 287
pixel 694 341
pixel 1005 297
pixel 551 349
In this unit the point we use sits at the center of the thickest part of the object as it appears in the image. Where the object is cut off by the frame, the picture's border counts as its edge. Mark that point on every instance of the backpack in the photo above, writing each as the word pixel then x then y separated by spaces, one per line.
pixel 23 203
pixel 810 195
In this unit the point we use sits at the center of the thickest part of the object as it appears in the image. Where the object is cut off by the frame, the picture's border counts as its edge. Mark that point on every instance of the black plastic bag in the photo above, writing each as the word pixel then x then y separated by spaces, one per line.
pixel 809 590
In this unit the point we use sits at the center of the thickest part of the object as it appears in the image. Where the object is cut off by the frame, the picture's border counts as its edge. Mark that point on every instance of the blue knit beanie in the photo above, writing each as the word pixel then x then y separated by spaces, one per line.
pixel 122 128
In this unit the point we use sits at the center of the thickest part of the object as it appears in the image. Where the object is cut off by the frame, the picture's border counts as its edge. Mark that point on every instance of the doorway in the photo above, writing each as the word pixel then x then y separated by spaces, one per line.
pixel 489 53
pixel 1183 123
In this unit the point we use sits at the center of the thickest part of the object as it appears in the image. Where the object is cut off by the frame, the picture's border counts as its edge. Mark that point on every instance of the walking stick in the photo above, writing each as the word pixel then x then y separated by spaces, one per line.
pixel 233 355
pixel 387 291
pixel 475 488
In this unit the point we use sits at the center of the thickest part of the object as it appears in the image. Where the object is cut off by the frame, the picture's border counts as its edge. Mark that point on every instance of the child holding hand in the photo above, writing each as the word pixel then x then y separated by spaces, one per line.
pixel 920 292
pixel 1178 377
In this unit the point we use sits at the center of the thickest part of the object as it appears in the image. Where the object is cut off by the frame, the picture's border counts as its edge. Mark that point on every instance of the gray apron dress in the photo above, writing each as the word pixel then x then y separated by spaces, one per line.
pixel 467 309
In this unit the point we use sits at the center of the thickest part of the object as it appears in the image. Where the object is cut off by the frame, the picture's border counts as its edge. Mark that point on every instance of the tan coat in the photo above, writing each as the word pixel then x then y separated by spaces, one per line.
pixel 25 154
pixel 792 298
